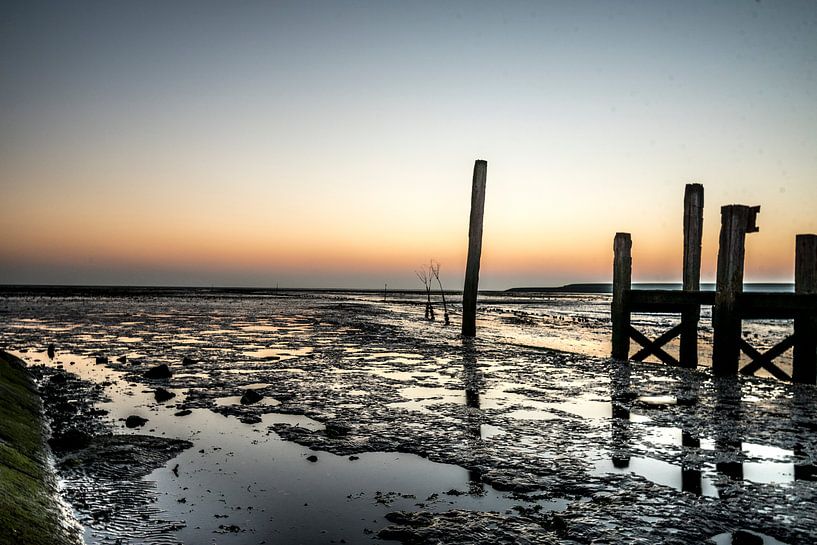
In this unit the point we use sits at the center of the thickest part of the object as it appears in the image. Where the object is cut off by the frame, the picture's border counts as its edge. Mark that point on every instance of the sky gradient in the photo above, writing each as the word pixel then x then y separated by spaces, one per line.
pixel 315 144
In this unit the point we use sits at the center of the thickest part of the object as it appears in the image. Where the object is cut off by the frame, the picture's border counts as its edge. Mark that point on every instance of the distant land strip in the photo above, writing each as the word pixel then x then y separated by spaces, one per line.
pixel 199 291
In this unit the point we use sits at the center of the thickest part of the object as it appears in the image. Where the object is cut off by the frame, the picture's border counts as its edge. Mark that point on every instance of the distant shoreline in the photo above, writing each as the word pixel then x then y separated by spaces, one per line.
pixel 170 291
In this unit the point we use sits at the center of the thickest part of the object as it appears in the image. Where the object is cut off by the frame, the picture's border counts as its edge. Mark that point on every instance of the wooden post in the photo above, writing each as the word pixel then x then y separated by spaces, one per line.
pixel 693 233
pixel 736 221
pixel 622 282
pixel 469 293
pixel 804 366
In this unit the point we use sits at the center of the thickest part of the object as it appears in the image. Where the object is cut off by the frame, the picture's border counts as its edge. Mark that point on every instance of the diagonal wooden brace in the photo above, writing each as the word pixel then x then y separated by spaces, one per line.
pixel 653 347
pixel 764 360
pixel 658 343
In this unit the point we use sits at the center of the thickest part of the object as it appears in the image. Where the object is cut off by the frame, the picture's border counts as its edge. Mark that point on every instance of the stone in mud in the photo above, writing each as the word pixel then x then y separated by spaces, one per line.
pixel 70 439
pixel 134 421
pixel 188 361
pixel 163 395
pixel 312 458
pixel 251 396
pixel 51 351
pixel 742 537
pixel 337 429
pixel 407 518
pixel 160 371
pixel 250 419
pixel 184 412
pixel 102 359
pixel 122 359
pixel 59 378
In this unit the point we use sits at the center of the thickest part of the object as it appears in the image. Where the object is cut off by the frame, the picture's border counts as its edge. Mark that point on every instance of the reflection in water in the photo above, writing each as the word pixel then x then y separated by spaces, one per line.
pixel 621 400
pixel 730 451
pixel 474 383
pixel 728 434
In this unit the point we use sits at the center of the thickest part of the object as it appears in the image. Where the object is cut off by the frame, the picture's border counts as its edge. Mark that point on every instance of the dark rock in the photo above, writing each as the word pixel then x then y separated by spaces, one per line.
pixel 353 458
pixel 742 537
pixel 312 458
pixel 70 439
pixel 184 412
pixel 189 361
pixel 59 378
pixel 407 518
pixel 337 429
pixel 122 359
pixel 160 371
pixel 251 396
pixel 163 395
pixel 102 359
pixel 51 351
pixel 250 419
pixel 134 421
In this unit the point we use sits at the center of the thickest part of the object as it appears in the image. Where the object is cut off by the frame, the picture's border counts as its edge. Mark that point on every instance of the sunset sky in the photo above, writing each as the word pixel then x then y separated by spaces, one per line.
pixel 331 144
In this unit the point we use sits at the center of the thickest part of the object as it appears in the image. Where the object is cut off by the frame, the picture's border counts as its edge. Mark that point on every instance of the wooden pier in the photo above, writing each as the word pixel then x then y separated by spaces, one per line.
pixel 730 304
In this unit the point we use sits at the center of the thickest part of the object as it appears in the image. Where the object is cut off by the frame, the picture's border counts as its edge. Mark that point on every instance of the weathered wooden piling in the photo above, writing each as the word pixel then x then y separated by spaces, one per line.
pixel 804 365
pixel 736 221
pixel 693 234
pixel 469 293
pixel 622 282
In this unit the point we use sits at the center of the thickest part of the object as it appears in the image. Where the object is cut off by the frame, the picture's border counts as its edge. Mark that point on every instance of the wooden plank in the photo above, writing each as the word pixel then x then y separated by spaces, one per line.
pixel 641 339
pixel 764 360
pixel 776 305
pixel 736 221
pixel 693 234
pixel 469 294
pixel 667 300
pixel 658 343
pixel 622 282
pixel 804 364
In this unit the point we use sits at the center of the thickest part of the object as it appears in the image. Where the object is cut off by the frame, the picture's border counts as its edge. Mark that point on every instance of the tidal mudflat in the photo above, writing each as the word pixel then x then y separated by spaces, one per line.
pixel 320 418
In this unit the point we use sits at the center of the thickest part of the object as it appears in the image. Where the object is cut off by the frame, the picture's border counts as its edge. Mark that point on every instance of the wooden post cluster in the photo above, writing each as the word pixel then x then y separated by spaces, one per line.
pixel 693 235
pixel 622 282
pixel 469 294
pixel 804 368
pixel 736 221
pixel 730 306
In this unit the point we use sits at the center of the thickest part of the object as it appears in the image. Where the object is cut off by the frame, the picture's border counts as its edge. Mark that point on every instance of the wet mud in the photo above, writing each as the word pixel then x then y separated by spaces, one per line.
pixel 397 429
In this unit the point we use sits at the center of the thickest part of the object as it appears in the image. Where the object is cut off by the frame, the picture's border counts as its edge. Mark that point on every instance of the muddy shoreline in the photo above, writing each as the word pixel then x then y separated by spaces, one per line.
pixel 554 447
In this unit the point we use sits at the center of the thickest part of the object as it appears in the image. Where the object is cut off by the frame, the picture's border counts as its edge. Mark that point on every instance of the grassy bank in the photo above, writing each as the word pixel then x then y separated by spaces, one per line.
pixel 29 512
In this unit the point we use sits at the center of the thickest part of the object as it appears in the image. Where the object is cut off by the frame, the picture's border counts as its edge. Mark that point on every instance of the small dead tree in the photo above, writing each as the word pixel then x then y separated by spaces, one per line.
pixel 424 275
pixel 434 267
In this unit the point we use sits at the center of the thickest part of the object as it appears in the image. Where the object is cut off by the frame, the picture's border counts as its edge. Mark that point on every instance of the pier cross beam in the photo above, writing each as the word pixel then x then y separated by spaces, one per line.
pixel 469 293
pixel 804 365
pixel 736 221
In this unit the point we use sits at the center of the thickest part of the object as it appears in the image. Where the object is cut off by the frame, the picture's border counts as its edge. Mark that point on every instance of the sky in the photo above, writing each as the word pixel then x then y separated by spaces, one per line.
pixel 331 144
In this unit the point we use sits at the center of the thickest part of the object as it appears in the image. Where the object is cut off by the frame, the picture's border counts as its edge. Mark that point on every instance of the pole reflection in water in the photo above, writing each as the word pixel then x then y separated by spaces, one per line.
pixel 728 427
pixel 474 384
pixel 622 399
pixel 691 477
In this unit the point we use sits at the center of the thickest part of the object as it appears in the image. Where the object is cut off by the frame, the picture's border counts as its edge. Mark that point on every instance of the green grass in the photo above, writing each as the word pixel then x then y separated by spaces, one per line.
pixel 28 508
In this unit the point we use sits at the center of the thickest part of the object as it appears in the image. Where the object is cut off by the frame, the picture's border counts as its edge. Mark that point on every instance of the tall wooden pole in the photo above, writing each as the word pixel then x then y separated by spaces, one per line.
pixel 622 282
pixel 736 221
pixel 693 233
pixel 469 293
pixel 804 366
